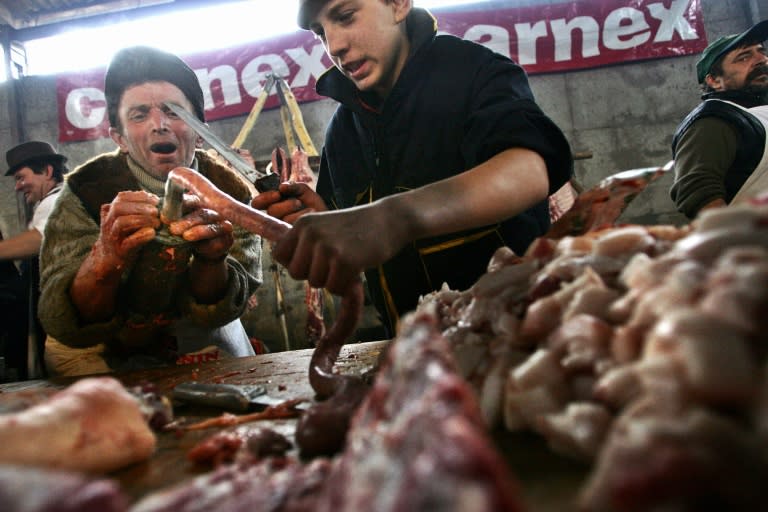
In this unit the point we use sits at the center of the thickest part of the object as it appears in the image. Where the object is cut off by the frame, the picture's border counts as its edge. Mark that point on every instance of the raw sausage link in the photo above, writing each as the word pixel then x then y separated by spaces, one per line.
pixel 228 207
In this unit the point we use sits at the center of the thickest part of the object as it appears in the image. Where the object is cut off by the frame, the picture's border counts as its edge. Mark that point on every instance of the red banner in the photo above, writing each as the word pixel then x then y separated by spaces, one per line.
pixel 576 34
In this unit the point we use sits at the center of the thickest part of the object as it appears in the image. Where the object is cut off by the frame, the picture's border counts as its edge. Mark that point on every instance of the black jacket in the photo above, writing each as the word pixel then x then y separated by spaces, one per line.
pixel 455 105
pixel 750 130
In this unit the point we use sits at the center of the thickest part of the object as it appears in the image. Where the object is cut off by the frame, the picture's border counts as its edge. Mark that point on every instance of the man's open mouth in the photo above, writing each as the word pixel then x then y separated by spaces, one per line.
pixel 163 147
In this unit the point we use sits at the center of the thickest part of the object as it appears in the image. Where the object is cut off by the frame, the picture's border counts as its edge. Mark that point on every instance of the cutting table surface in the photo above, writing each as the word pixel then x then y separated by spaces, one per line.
pixel 548 481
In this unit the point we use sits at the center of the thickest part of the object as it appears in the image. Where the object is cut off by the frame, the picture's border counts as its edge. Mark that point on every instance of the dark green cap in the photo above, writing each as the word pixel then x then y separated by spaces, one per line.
pixel 307 10
pixel 723 45
pixel 140 64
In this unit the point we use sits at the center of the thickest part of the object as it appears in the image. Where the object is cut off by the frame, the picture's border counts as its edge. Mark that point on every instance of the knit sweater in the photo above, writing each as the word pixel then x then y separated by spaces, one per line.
pixel 154 302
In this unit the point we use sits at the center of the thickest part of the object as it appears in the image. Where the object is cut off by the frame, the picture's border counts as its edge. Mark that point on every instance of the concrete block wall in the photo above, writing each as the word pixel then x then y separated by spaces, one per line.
pixel 626 114
pixel 623 114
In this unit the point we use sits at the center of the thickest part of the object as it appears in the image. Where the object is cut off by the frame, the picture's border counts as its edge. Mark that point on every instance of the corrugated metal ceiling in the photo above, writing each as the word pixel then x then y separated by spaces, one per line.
pixel 22 14
pixel 27 19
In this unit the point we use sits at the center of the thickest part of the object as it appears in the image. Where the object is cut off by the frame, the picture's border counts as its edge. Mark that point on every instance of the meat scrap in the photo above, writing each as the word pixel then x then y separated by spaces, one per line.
pixel 230 446
pixel 94 425
pixel 156 407
pixel 216 449
pixel 682 459
pixel 47 490
pixel 275 484
pixel 418 441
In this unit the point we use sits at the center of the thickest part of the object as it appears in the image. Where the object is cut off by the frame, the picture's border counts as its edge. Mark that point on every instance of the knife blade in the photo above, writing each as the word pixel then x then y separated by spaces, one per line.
pixel 233 397
pixel 230 155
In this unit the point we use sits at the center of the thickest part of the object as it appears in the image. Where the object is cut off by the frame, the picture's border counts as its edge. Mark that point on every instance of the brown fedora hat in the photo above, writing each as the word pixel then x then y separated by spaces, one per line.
pixel 26 152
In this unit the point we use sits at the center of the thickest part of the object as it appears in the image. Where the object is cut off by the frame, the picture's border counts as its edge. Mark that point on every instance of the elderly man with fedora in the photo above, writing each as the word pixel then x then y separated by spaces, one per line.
pixel 121 288
pixel 720 147
pixel 38 171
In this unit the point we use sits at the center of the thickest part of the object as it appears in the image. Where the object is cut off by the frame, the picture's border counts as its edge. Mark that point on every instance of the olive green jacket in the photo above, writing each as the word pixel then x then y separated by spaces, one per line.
pixel 154 296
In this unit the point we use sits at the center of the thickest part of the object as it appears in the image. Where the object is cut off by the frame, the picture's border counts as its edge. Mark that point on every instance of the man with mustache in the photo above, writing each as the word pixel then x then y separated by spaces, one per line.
pixel 720 147
pixel 122 288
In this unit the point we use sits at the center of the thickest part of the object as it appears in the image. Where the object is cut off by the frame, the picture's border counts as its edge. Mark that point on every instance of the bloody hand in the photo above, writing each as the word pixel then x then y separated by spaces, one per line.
pixel 290 202
pixel 127 224
pixel 210 234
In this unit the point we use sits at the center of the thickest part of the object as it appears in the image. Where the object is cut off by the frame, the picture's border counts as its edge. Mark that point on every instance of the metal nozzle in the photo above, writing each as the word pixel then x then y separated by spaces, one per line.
pixel 173 201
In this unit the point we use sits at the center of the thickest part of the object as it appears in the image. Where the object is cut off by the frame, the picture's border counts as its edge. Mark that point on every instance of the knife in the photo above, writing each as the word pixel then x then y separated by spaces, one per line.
pixel 262 180
pixel 233 397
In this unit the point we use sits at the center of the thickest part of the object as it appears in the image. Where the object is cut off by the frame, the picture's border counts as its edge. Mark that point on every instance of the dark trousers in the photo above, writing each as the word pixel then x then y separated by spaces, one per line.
pixel 14 315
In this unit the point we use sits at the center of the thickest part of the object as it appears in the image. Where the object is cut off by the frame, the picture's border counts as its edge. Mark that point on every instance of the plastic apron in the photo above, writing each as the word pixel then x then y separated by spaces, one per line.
pixel 758 180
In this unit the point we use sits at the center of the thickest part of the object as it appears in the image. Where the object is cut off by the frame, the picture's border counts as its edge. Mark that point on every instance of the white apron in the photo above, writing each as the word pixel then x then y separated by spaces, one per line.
pixel 758 180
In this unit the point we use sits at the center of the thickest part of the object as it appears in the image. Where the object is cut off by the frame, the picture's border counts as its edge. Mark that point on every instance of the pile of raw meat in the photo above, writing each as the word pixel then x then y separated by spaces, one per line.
pixel 417 443
pixel 637 348
pixel 642 349
pixel 52 451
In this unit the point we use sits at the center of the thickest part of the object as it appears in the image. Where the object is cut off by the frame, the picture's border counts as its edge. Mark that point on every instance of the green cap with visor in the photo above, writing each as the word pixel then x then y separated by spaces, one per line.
pixel 723 45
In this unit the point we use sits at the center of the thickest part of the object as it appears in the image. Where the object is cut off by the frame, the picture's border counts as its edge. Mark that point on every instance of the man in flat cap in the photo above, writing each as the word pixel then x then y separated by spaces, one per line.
pixel 38 171
pixel 119 288
pixel 720 147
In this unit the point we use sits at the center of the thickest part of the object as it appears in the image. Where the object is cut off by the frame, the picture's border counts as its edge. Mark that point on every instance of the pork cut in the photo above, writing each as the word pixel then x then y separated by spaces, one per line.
pixel 95 425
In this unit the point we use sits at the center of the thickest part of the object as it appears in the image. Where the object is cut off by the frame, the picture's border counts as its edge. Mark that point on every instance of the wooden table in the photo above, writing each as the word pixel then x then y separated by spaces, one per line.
pixel 549 482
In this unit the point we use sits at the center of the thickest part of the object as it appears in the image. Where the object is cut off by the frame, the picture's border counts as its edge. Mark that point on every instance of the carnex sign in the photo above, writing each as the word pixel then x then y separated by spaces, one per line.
pixel 550 37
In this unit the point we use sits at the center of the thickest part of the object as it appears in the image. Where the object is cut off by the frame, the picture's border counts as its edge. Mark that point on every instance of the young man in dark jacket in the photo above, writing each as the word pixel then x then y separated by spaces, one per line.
pixel 436 156
pixel 721 143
